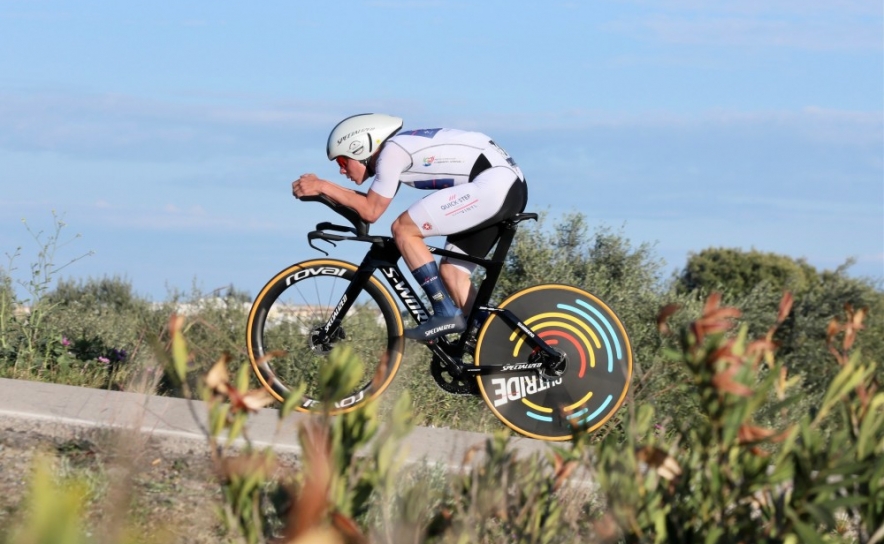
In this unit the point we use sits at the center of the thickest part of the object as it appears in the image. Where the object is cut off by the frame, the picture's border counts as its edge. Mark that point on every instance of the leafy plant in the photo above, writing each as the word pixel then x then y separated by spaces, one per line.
pixel 55 511
pixel 27 342
pixel 725 478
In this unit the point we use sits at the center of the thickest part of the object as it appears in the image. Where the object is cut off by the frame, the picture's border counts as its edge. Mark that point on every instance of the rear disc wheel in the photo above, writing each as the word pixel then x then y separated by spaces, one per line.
pixel 597 370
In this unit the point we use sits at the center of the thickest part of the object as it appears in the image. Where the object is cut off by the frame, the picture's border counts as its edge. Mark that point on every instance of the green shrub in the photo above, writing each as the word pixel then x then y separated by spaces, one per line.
pixel 30 346
pixel 727 478
pixel 723 477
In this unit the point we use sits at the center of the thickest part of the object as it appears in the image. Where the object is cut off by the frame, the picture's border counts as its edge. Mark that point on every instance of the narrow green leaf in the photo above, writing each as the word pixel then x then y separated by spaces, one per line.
pixel 871 425
pixel 242 378
pixel 292 400
pixel 236 428
pixel 218 418
pixel 179 355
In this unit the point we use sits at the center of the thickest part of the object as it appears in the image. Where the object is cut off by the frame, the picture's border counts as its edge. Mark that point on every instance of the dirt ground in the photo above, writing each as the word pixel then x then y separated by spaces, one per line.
pixel 134 487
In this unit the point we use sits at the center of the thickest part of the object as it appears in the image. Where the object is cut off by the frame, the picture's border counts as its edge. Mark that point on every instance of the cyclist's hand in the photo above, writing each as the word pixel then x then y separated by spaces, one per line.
pixel 307 185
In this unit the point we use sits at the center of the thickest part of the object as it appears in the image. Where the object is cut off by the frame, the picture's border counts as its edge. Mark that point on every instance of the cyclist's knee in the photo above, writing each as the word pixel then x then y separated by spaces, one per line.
pixel 403 226
pixel 457 267
pixel 450 273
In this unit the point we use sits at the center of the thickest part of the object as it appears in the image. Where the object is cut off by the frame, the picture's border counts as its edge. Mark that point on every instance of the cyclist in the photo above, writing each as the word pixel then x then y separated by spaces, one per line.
pixel 475 185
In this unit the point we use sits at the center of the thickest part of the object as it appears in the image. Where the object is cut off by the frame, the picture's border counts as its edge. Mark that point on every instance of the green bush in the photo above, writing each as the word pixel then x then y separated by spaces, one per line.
pixel 727 478
pixel 724 477
pixel 30 347
pixel 754 282
pixel 738 272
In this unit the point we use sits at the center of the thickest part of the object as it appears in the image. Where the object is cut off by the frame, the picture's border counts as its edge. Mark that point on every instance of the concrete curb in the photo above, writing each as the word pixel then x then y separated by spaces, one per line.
pixel 176 424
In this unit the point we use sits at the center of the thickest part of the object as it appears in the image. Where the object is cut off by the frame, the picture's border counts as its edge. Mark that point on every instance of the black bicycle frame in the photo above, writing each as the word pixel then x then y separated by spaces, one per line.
pixel 383 255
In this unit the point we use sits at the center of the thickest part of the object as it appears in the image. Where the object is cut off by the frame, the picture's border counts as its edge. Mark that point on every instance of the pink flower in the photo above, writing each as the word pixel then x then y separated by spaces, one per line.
pixel 65 342
pixel 104 360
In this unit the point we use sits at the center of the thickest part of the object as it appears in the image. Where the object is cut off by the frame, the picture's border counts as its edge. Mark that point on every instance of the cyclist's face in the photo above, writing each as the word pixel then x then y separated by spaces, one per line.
pixel 353 169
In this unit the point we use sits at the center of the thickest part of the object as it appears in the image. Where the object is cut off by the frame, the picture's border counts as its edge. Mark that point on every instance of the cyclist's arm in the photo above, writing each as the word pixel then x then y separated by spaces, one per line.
pixel 391 162
pixel 370 206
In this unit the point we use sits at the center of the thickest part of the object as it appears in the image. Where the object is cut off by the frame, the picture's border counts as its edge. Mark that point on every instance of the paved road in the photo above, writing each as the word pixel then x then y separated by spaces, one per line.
pixel 175 423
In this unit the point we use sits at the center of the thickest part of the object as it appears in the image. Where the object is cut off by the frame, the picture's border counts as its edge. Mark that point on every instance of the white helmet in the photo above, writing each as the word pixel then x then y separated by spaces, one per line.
pixel 359 137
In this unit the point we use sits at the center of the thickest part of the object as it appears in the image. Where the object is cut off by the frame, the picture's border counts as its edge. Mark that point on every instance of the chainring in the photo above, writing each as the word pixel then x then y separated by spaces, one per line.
pixel 448 382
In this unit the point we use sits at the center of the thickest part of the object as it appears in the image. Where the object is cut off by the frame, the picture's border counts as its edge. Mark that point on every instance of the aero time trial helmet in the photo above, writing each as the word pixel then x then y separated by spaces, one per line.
pixel 359 136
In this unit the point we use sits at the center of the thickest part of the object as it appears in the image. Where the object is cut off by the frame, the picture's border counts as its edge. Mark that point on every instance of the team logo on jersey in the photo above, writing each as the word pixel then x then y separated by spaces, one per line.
pixel 423 132
pixel 427 226
pixel 429 160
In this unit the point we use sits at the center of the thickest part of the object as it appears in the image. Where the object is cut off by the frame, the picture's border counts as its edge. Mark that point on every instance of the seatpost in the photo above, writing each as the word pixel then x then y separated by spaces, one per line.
pixel 508 232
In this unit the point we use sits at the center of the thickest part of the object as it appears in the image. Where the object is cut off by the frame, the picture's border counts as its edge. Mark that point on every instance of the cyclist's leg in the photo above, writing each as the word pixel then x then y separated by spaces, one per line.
pixel 447 317
pixel 456 276
pixel 410 241
pixel 447 211
pixel 478 240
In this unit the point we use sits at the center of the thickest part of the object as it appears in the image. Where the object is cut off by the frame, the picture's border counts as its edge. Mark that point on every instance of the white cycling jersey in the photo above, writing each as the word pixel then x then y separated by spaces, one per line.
pixel 474 184
pixel 435 158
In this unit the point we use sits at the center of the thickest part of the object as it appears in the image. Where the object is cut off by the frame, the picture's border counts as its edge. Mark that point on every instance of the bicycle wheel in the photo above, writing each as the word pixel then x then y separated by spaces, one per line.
pixel 287 315
pixel 597 375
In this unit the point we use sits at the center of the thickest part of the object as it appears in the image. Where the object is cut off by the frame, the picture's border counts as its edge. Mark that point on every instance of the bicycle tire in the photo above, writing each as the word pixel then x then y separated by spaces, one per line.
pixel 289 309
pixel 598 373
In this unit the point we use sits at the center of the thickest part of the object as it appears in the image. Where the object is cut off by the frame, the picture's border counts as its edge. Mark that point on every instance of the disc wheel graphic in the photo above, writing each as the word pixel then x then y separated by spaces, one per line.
pixel 598 363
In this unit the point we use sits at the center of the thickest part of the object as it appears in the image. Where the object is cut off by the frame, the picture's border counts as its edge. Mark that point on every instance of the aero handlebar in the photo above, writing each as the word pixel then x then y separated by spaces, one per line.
pixel 359 225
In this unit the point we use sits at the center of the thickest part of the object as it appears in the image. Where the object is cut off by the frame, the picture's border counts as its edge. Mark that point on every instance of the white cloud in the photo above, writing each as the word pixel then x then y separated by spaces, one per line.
pixel 794 8
pixel 124 127
pixel 115 125
pixel 770 32
pixel 410 4
pixel 809 25
pixel 173 218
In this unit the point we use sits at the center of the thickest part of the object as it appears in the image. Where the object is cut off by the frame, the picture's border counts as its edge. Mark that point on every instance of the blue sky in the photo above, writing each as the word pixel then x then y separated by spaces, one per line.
pixel 167 134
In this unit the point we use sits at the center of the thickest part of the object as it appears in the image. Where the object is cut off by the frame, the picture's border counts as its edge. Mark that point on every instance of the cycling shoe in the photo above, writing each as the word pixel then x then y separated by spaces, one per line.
pixel 437 326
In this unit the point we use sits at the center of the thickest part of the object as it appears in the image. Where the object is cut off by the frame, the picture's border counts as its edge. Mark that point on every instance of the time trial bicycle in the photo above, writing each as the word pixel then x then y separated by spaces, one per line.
pixel 549 361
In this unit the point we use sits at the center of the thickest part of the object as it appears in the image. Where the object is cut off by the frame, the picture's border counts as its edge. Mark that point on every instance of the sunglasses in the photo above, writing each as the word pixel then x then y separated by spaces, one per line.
pixel 342 161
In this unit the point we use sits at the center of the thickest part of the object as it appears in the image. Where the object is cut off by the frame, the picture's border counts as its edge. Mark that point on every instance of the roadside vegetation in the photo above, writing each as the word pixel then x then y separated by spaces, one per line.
pixel 755 413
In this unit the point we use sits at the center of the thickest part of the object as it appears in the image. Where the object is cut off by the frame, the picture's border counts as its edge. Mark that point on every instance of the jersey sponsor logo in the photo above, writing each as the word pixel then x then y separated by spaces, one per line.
pixel 436 160
pixel 454 201
pixel 464 209
pixel 423 132
pixel 427 226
